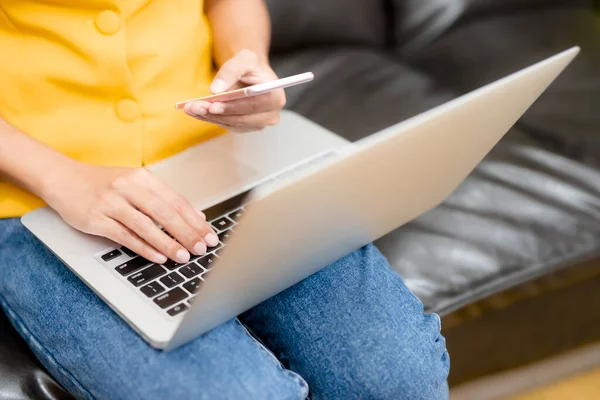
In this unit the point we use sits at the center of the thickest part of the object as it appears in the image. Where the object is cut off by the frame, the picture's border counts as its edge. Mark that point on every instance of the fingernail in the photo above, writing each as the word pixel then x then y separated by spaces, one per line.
pixel 217 108
pixel 159 258
pixel 211 240
pixel 200 249
pixel 218 86
pixel 182 256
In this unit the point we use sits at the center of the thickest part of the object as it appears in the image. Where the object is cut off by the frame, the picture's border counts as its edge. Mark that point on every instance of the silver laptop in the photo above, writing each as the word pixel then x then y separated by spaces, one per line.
pixel 287 202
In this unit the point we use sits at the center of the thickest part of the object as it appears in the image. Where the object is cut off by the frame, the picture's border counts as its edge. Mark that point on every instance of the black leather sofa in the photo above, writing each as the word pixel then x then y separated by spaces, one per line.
pixel 510 260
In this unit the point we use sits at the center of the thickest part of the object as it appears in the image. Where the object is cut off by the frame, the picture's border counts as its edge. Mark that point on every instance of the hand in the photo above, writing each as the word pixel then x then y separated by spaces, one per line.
pixel 122 205
pixel 242 115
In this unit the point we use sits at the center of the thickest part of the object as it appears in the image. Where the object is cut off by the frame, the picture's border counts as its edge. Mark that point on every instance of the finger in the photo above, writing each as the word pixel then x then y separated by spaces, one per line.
pixel 232 128
pixel 244 122
pixel 196 108
pixel 166 207
pixel 250 105
pixel 117 232
pixel 196 219
pixel 206 118
pixel 164 213
pixel 246 106
pixel 227 127
pixel 233 70
pixel 146 229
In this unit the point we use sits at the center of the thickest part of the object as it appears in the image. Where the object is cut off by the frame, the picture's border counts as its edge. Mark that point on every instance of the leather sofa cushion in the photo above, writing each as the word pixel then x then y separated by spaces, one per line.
pixel 304 23
pixel 21 376
pixel 524 212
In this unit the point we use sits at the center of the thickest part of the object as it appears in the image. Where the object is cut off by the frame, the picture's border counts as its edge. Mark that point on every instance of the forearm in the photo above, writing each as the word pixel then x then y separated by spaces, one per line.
pixel 238 25
pixel 27 162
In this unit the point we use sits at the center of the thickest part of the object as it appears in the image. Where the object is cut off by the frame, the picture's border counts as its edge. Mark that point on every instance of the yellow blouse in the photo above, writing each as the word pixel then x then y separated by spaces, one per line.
pixel 97 80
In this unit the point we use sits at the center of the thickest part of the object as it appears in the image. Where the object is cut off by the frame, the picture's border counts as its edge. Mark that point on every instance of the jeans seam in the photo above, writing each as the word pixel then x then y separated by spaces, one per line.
pixel 296 377
pixel 32 340
pixel 446 367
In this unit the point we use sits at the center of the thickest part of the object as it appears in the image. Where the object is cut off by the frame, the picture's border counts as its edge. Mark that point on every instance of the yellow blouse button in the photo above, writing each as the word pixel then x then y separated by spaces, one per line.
pixel 108 22
pixel 127 110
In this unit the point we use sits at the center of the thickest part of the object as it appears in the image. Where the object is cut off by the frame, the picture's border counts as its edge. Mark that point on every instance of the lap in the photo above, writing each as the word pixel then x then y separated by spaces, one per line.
pixel 93 353
pixel 353 330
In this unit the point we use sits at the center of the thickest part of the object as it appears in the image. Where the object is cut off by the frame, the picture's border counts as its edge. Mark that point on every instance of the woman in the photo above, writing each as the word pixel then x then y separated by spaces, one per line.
pixel 86 101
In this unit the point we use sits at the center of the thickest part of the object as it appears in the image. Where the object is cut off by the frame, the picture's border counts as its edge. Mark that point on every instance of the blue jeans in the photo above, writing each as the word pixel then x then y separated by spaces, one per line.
pixel 351 331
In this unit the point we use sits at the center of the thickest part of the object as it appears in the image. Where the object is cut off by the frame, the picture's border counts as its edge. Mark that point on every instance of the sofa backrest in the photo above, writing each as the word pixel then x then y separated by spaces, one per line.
pixel 298 23
pixel 508 5
pixel 419 22
pixel 407 25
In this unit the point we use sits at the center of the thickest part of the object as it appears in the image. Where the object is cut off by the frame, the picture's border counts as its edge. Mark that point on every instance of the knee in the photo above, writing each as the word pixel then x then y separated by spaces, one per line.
pixel 399 353
pixel 407 369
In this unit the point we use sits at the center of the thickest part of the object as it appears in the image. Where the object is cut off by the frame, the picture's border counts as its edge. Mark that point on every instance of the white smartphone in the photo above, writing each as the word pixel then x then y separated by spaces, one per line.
pixel 254 90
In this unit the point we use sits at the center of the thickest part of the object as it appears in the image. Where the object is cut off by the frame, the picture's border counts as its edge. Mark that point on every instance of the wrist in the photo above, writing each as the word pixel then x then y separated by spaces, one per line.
pixel 49 183
pixel 263 60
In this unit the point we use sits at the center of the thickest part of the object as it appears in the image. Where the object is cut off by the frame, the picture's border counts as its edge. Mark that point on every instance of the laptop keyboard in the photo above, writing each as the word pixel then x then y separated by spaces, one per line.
pixel 172 286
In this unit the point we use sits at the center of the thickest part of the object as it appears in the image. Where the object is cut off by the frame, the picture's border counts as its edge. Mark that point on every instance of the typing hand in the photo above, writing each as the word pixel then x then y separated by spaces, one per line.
pixel 122 205
pixel 247 114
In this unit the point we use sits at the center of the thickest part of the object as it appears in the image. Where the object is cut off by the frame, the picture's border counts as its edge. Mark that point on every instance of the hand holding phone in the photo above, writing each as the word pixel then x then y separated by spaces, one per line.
pixel 254 90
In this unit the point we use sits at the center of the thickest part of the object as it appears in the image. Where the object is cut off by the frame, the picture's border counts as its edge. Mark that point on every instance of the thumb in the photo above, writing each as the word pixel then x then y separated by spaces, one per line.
pixel 233 70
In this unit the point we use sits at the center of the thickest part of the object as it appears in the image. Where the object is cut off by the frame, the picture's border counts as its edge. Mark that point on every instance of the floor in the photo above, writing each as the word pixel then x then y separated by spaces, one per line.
pixel 585 386
pixel 573 375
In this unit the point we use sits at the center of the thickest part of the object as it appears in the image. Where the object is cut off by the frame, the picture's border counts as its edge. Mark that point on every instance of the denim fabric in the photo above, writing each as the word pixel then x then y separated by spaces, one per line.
pixel 353 331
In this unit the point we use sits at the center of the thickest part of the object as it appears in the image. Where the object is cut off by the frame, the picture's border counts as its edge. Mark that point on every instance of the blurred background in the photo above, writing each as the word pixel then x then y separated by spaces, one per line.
pixel 511 261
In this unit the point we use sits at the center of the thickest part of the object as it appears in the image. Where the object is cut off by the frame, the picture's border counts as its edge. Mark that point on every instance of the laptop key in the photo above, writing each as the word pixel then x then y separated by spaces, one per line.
pixel 222 223
pixel 171 280
pixel 170 298
pixel 152 289
pixel 111 255
pixel 207 261
pixel 132 265
pixel 128 252
pixel 225 235
pixel 172 265
pixel 236 215
pixel 178 309
pixel 191 270
pixel 213 249
pixel 150 273
pixel 193 285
